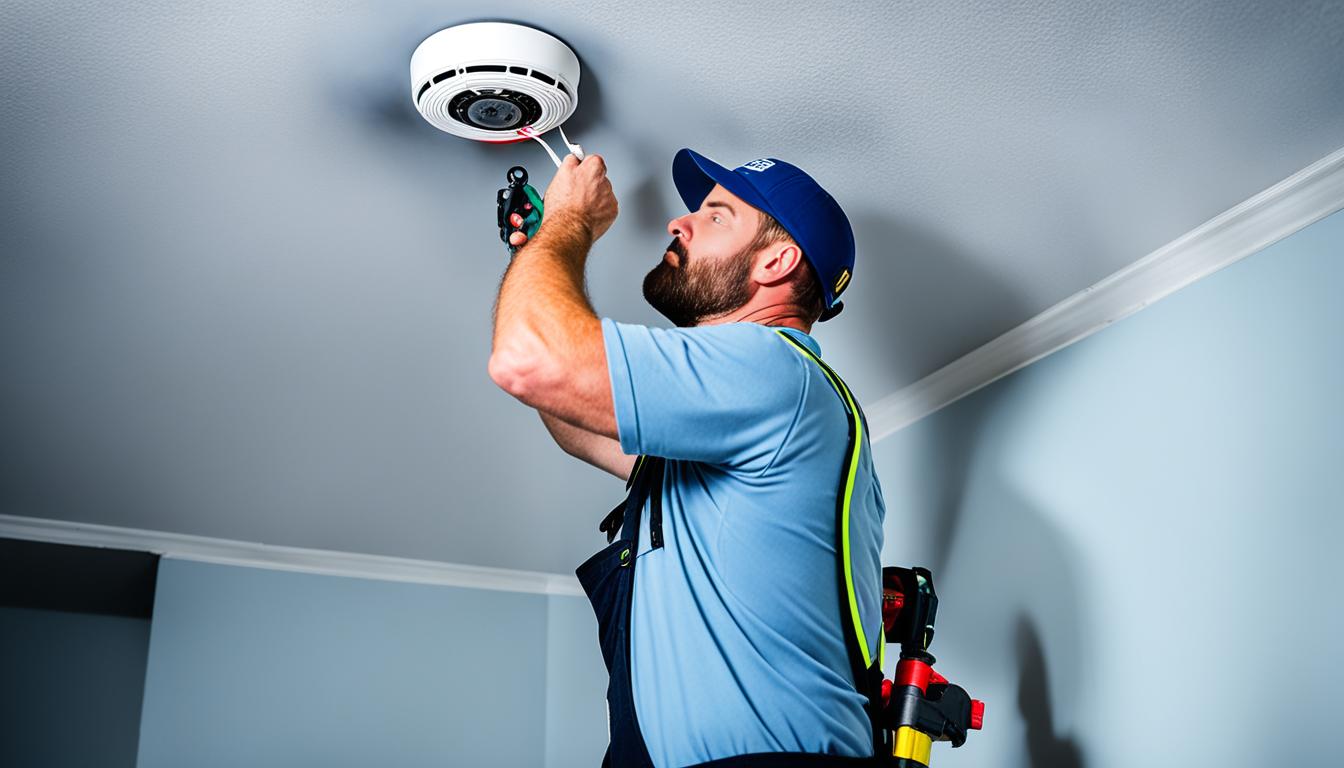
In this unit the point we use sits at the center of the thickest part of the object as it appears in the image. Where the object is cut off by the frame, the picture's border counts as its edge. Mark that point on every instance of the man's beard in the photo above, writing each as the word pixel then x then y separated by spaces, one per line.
pixel 687 293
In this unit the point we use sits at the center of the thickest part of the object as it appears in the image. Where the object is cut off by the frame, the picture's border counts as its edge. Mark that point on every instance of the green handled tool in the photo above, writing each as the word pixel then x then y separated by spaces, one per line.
pixel 521 198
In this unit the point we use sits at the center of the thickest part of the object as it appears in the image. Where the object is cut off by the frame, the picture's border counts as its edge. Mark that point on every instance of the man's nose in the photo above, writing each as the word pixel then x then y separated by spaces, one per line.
pixel 677 228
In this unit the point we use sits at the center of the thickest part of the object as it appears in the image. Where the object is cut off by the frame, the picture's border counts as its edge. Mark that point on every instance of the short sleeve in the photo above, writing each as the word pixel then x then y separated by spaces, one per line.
pixel 724 394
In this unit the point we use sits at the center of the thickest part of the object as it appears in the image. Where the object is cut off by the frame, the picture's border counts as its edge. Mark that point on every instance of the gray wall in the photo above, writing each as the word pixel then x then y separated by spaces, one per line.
pixel 270 668
pixel 70 688
pixel 1136 539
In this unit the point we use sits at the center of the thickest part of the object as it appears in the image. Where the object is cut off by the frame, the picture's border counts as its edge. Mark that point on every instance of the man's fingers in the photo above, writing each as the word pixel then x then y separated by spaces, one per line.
pixel 517 238
pixel 598 162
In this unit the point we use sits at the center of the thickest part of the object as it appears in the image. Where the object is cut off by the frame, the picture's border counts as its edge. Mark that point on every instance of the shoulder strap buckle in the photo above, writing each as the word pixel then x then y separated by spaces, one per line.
pixel 611 524
pixel 645 479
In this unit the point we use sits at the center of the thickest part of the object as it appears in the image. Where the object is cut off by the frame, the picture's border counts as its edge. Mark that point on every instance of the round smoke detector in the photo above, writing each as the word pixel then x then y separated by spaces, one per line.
pixel 493 81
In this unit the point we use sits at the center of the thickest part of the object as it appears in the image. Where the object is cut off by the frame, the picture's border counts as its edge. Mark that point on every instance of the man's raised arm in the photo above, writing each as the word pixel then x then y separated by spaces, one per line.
pixel 548 350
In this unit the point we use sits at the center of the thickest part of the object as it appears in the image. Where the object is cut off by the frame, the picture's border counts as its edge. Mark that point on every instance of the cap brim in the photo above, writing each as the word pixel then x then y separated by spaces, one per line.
pixel 695 175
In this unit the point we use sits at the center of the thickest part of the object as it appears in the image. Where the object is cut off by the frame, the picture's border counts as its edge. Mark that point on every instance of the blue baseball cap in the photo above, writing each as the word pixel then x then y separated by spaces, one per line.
pixel 797 202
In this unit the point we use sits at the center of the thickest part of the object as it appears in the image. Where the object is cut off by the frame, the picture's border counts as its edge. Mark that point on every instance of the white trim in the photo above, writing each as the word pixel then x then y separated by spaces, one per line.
pixel 205 549
pixel 1299 200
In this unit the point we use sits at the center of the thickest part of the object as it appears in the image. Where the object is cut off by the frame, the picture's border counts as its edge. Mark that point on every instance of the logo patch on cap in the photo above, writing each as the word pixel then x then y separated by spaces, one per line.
pixel 841 282
pixel 758 165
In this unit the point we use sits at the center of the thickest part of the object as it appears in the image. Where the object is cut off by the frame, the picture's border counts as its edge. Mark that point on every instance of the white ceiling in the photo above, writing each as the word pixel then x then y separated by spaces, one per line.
pixel 245 292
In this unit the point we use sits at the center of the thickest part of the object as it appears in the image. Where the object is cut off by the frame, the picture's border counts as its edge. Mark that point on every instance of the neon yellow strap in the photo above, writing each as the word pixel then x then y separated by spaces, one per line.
pixel 860 429
pixel 639 463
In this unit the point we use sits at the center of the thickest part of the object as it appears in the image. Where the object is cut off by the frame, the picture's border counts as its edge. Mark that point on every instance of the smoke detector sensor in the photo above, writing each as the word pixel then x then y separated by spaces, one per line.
pixel 494 81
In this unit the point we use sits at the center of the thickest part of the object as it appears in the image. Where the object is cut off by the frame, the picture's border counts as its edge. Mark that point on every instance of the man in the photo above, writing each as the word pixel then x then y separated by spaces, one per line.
pixel 746 624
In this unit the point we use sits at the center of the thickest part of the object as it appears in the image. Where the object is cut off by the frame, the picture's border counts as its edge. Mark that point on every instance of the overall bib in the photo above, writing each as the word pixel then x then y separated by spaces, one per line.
pixel 608 579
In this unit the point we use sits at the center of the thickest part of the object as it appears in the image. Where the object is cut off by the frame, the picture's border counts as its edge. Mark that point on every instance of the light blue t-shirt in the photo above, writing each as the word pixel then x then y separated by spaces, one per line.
pixel 737 643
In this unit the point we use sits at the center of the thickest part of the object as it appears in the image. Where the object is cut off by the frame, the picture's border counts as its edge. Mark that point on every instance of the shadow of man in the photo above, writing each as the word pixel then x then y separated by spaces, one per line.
pixel 1045 748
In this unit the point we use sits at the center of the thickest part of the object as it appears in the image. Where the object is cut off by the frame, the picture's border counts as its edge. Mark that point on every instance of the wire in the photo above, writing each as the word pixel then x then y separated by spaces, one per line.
pixel 574 149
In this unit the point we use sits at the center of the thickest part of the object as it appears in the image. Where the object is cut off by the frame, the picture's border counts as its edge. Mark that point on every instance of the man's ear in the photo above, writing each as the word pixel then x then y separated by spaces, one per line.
pixel 780 262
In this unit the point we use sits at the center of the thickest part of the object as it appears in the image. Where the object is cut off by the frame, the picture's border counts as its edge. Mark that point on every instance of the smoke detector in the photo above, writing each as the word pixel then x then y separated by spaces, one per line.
pixel 494 81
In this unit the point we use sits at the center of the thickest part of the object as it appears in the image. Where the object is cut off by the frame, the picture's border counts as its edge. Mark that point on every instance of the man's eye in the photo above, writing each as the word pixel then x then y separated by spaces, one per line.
pixel 717 218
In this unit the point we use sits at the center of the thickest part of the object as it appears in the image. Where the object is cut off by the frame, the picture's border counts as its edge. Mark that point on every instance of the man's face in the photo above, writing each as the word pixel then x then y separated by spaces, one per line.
pixel 707 268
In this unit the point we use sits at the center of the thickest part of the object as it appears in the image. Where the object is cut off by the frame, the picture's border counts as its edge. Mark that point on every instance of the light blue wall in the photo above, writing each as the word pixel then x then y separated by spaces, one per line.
pixel 270 668
pixel 266 667
pixel 70 688
pixel 1136 540
pixel 576 686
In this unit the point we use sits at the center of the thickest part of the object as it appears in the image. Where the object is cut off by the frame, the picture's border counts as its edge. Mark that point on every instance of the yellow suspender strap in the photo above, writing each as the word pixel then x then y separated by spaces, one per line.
pixel 851 472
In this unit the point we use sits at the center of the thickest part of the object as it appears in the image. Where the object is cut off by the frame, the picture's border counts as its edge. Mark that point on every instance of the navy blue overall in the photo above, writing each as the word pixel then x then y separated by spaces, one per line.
pixel 608 579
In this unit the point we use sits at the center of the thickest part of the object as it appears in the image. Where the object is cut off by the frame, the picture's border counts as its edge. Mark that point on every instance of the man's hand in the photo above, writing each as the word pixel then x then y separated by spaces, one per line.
pixel 581 192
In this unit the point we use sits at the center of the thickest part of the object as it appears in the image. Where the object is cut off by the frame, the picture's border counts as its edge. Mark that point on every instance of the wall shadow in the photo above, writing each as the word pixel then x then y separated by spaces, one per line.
pixel 919 299
pixel 1045 748
pixel 985 530
pixel 973 524
pixel 906 275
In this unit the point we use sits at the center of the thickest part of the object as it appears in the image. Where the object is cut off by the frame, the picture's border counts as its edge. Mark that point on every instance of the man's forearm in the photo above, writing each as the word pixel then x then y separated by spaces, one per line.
pixel 599 450
pixel 567 436
pixel 542 305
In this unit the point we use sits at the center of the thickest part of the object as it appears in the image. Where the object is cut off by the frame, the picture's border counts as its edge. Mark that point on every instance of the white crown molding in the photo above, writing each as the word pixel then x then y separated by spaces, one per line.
pixel 1296 202
pixel 205 549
